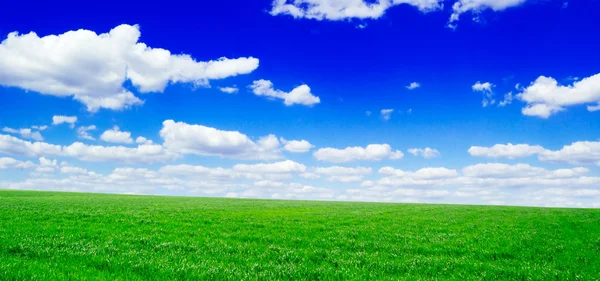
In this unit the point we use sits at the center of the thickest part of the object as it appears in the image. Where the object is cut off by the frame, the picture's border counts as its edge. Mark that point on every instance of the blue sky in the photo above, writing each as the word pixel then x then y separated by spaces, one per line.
pixel 502 108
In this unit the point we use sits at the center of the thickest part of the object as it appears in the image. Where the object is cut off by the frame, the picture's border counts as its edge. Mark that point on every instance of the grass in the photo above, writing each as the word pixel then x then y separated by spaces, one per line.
pixel 78 236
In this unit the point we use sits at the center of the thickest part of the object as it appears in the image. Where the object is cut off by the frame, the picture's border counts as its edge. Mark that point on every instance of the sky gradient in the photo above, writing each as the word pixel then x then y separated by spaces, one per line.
pixel 468 101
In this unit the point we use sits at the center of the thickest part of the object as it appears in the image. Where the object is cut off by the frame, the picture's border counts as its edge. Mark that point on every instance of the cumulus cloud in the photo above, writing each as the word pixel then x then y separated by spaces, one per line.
pixel 508 98
pixel 413 86
pixel 386 114
pixel 229 90
pixel 373 152
pixel 114 135
pixel 545 97
pixel 486 89
pixel 11 163
pixel 61 119
pixel 578 153
pixel 286 166
pixel 92 68
pixel 142 140
pixel 25 133
pixel 509 150
pixel 345 9
pixel 295 146
pixel 83 132
pixel 425 152
pixel 184 138
pixel 40 128
pixel 475 6
pixel 299 95
pixel 95 153
pixel 343 174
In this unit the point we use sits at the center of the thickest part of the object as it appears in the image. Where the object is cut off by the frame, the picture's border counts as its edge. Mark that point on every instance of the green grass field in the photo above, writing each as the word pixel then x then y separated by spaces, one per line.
pixel 72 236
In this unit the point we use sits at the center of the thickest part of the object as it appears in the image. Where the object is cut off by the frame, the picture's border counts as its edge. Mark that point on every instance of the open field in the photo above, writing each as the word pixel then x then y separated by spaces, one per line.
pixel 71 236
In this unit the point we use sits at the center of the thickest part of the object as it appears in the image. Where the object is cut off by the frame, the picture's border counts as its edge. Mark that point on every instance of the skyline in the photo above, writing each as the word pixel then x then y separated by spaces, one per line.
pixel 470 102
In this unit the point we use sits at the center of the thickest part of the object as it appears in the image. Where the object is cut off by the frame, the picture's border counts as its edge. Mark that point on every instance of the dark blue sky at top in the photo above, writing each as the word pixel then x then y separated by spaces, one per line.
pixel 352 70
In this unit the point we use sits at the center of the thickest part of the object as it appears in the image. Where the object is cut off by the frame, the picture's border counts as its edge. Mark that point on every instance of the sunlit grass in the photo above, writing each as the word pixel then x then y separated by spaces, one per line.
pixel 65 236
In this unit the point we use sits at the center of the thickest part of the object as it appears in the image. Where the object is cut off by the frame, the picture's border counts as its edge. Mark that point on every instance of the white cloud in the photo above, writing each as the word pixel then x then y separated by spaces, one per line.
pixel 145 153
pixel 425 152
pixel 386 114
pixel 61 119
pixel 142 140
pixel 345 9
pixel 286 166
pixel 577 153
pixel 25 133
pixel 486 89
pixel 413 86
pixel 141 154
pixel 83 132
pixel 299 95
pixel 295 146
pixel 15 146
pixel 475 6
pixel 500 170
pixel 92 68
pixel 40 128
pixel 506 150
pixel 343 174
pixel 545 97
pixel 184 138
pixel 373 152
pixel 114 135
pixel 229 90
pixel 424 173
pixel 10 163
pixel 507 100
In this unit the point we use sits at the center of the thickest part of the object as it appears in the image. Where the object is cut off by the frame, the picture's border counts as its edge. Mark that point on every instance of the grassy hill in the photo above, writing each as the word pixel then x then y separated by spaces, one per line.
pixel 77 236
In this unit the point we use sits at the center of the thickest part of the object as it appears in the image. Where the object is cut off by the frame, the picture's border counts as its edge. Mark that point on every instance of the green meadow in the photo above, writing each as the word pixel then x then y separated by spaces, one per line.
pixel 79 236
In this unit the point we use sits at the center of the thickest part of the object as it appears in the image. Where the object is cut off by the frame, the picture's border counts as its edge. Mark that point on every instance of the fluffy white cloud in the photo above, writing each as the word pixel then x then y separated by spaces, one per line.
pixel 508 98
pixel 83 132
pixel 545 97
pixel 486 89
pixel 10 163
pixel 229 90
pixel 286 166
pixel 61 119
pixel 343 174
pixel 499 170
pixel 345 9
pixel 506 150
pixel 577 153
pixel 425 152
pixel 295 146
pixel 386 114
pixel 424 173
pixel 476 6
pixel 15 146
pixel 95 153
pixel 114 135
pixel 25 133
pixel 413 86
pixel 142 140
pixel 184 138
pixel 40 128
pixel 145 153
pixel 299 95
pixel 92 67
pixel 373 152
